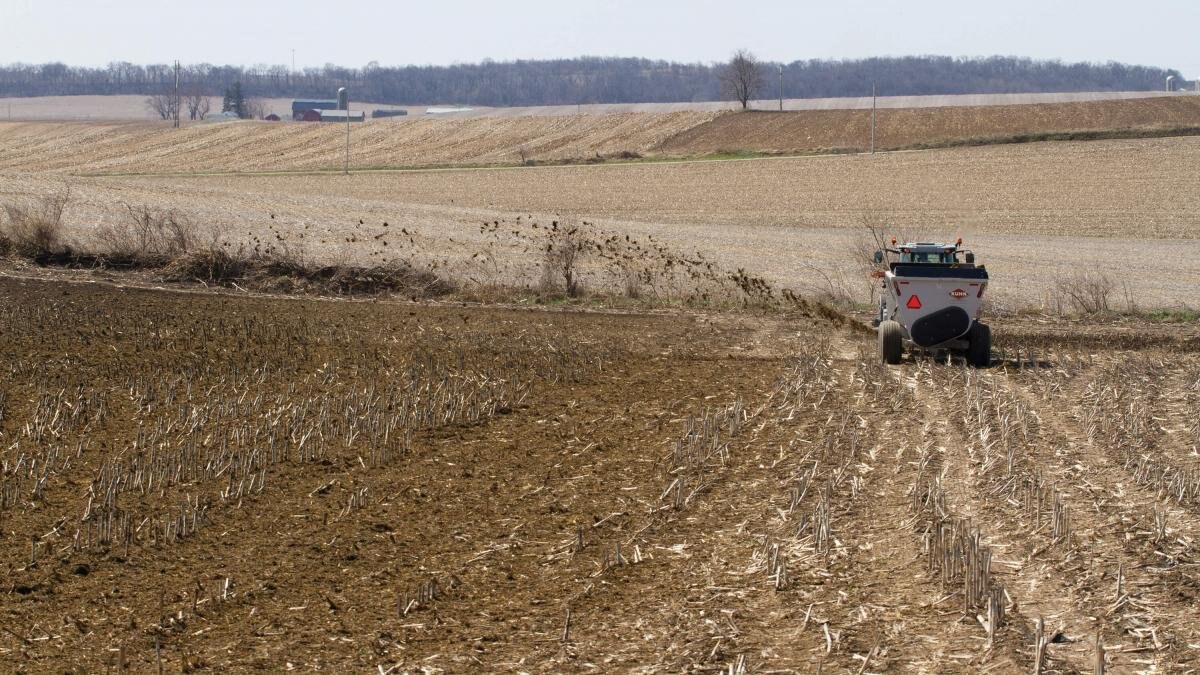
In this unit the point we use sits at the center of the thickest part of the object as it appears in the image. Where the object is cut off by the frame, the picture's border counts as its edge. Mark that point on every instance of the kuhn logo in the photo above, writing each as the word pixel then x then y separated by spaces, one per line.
pixel 958 294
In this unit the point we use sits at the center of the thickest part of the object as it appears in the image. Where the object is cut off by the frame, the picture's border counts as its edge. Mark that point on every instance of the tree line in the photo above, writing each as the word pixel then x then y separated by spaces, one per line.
pixel 590 79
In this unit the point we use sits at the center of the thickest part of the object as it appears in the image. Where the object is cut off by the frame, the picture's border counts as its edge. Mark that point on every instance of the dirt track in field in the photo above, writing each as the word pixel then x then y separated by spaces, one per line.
pixel 621 491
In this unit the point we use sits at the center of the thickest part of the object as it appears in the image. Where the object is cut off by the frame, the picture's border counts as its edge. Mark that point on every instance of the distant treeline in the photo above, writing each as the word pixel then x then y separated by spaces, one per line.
pixel 591 80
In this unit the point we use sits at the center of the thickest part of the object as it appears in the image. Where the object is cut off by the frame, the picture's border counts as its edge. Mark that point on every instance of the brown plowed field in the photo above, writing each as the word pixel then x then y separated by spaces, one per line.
pixel 788 132
pixel 140 147
pixel 222 483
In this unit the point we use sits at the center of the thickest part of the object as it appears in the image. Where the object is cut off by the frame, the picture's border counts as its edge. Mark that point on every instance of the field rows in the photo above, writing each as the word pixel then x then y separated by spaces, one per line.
pixel 236 483
pixel 141 147
pixel 267 146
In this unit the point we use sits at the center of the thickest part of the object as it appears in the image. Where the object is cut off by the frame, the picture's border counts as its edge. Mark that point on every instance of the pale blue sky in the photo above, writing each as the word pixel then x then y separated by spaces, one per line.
pixel 355 32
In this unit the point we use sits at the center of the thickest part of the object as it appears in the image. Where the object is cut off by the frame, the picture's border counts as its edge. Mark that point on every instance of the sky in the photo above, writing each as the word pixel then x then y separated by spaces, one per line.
pixel 400 32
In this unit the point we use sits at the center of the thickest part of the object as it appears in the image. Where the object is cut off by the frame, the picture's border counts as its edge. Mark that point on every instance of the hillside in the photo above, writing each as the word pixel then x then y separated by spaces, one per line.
pixel 267 146
pixel 803 131
pixel 132 147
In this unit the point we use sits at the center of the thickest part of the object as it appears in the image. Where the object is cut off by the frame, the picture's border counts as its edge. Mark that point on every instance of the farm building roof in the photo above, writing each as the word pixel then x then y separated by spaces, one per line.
pixel 341 115
pixel 300 104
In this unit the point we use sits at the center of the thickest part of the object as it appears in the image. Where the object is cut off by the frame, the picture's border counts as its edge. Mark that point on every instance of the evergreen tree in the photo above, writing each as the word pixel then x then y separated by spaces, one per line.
pixel 235 101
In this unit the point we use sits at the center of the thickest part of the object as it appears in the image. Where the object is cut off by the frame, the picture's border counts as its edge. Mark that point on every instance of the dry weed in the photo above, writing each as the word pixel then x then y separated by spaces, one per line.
pixel 1086 291
pixel 34 228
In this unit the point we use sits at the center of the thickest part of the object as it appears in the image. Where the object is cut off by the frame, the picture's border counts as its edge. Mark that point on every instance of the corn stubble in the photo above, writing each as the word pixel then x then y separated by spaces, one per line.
pixel 769 498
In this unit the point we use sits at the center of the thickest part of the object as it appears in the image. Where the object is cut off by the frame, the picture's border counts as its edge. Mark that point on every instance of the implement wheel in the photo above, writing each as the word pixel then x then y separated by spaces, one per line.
pixel 891 342
pixel 979 351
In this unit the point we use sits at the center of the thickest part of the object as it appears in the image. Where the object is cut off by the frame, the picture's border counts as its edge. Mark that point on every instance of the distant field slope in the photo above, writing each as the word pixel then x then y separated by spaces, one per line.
pixel 140 147
pixel 908 127
pixel 281 146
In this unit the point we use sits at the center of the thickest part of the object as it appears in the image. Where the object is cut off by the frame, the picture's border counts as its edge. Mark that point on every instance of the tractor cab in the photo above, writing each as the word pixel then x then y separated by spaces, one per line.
pixel 922 253
pixel 927 253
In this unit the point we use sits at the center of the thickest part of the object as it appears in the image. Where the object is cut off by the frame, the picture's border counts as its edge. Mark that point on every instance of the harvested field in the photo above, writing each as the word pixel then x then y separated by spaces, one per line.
pixel 221 480
pixel 278 146
pixel 789 132
pixel 131 147
pixel 230 483
pixel 1034 212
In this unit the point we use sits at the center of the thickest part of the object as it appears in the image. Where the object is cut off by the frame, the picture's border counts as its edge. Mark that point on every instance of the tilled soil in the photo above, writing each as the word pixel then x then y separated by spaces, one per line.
pixel 566 135
pixel 224 483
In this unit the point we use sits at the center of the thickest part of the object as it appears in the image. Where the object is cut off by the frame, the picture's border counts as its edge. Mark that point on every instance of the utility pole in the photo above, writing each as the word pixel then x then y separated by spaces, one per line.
pixel 873 96
pixel 781 87
pixel 177 101
pixel 346 170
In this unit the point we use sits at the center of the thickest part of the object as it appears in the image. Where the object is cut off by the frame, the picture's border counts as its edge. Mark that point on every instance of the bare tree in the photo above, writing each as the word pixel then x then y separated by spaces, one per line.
pixel 742 78
pixel 565 247
pixel 198 104
pixel 256 108
pixel 163 104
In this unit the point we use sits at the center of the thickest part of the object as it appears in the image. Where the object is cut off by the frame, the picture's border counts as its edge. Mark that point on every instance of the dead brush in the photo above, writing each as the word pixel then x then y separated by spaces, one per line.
pixel 873 236
pixel 565 248
pixel 33 229
pixel 213 265
pixel 1087 292
pixel 147 237
pixel 279 270
pixel 570 253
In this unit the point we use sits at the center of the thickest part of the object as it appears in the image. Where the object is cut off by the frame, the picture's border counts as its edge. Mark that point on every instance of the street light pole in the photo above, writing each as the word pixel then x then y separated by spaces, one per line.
pixel 347 167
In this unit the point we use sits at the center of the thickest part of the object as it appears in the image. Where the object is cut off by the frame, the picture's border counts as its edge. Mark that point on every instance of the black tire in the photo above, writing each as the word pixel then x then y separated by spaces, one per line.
pixel 891 342
pixel 979 349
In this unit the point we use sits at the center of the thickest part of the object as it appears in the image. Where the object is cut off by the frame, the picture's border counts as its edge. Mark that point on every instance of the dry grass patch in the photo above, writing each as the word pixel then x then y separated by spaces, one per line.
pixel 34 228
